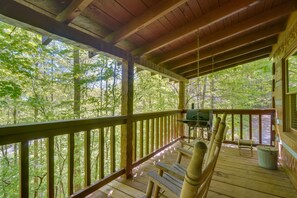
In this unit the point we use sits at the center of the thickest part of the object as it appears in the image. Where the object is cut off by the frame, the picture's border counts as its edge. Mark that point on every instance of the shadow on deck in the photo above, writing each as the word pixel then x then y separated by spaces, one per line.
pixel 234 176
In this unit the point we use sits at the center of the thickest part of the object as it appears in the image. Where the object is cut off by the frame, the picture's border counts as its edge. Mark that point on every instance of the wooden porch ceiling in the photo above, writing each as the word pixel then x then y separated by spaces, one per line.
pixel 162 35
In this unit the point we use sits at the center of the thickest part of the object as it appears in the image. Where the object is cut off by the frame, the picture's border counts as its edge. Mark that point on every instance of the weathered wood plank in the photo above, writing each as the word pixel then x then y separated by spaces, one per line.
pixel 101 153
pixel 70 163
pixel 50 167
pixel 147 136
pixel 152 135
pixel 24 169
pixel 87 157
pixel 127 109
pixel 112 150
pixel 141 139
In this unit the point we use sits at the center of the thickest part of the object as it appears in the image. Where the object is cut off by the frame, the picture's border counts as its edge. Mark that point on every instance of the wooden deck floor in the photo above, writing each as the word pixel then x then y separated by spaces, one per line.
pixel 235 176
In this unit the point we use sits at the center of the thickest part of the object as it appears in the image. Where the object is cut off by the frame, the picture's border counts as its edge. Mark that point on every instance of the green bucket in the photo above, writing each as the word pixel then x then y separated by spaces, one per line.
pixel 267 156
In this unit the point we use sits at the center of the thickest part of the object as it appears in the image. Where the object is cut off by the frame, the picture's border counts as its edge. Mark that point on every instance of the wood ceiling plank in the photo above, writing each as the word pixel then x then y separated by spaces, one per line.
pixel 204 20
pixel 22 16
pixel 234 61
pixel 266 44
pixel 235 48
pixel 73 10
pixel 152 14
pixel 207 52
pixel 251 23
pixel 193 75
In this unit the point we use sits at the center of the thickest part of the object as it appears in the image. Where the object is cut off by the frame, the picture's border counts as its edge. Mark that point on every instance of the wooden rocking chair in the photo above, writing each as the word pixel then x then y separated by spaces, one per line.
pixel 195 182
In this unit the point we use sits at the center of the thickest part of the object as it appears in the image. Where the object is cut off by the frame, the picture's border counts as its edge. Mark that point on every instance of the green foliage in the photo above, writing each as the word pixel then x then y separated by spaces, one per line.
pixel 246 86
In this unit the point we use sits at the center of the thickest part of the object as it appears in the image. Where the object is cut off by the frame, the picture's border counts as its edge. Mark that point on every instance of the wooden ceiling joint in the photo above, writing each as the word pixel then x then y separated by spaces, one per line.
pixel 230 54
pixel 234 61
pixel 236 29
pixel 267 33
pixel 153 13
pixel 220 13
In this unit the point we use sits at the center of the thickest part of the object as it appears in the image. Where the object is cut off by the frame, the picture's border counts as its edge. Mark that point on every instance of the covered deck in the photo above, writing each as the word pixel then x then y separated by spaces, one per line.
pixel 235 176
pixel 180 40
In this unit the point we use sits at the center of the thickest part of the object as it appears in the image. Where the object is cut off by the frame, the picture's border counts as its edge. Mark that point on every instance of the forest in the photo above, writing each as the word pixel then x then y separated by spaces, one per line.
pixel 45 83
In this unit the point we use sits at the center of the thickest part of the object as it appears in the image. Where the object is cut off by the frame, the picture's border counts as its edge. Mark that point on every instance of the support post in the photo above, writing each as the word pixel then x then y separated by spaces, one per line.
pixel 181 105
pixel 127 109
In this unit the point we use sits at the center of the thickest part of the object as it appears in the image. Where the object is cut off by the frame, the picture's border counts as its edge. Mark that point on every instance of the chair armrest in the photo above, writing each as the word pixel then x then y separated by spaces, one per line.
pixel 183 143
pixel 164 184
pixel 170 170
pixel 184 152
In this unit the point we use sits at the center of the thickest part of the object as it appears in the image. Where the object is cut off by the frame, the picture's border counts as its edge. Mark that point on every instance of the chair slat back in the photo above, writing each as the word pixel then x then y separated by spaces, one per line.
pixel 194 170
pixel 217 142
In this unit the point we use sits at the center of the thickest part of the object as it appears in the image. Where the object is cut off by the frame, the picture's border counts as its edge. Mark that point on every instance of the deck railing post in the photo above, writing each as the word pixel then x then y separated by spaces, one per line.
pixel 127 109
pixel 181 105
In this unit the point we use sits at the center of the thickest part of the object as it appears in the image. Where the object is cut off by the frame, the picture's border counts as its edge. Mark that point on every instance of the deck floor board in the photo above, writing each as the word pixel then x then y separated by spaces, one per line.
pixel 235 176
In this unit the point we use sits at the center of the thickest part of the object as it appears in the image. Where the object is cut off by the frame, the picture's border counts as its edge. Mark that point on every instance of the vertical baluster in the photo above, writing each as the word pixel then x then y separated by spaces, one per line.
pixel 24 169
pixel 157 140
pixel 175 126
pixel 260 129
pixel 168 129
pixel 152 135
pixel 112 149
pixel 165 130
pixel 50 167
pixel 70 163
pixel 272 129
pixel 141 140
pixel 87 157
pixel 250 126
pixel 161 131
pixel 134 141
pixel 232 120
pixel 101 153
pixel 147 135
pixel 241 134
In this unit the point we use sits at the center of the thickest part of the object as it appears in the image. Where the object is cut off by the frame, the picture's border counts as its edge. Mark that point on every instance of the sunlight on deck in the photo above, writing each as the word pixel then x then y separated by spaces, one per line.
pixel 234 176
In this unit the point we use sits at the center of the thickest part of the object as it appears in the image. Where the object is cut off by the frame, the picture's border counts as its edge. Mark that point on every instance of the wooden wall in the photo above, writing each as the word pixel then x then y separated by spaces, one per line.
pixel 287 43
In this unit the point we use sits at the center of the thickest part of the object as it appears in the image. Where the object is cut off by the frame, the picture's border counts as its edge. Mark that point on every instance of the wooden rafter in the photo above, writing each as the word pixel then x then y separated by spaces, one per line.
pixel 152 14
pixel 228 55
pixel 15 13
pixel 73 10
pixel 228 46
pixel 233 61
pixel 193 75
pixel 248 24
pixel 209 18
pixel 69 14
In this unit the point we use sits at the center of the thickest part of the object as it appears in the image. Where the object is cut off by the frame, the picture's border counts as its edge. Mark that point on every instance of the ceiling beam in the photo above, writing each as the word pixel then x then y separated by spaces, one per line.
pixel 228 66
pixel 227 46
pixel 228 55
pixel 220 13
pixel 25 17
pixel 69 14
pixel 233 61
pixel 73 10
pixel 248 24
pixel 153 13
pixel 209 18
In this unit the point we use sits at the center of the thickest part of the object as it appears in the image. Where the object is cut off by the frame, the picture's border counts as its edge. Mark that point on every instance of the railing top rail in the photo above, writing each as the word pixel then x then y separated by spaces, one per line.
pixel 242 111
pixel 16 133
pixel 145 116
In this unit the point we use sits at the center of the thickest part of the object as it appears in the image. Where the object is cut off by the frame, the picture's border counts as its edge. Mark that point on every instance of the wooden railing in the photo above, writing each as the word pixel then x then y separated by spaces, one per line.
pixel 152 132
pixel 255 124
pixel 101 137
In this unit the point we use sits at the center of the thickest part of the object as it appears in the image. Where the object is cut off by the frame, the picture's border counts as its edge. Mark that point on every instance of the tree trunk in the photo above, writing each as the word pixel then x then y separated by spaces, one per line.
pixel 76 79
